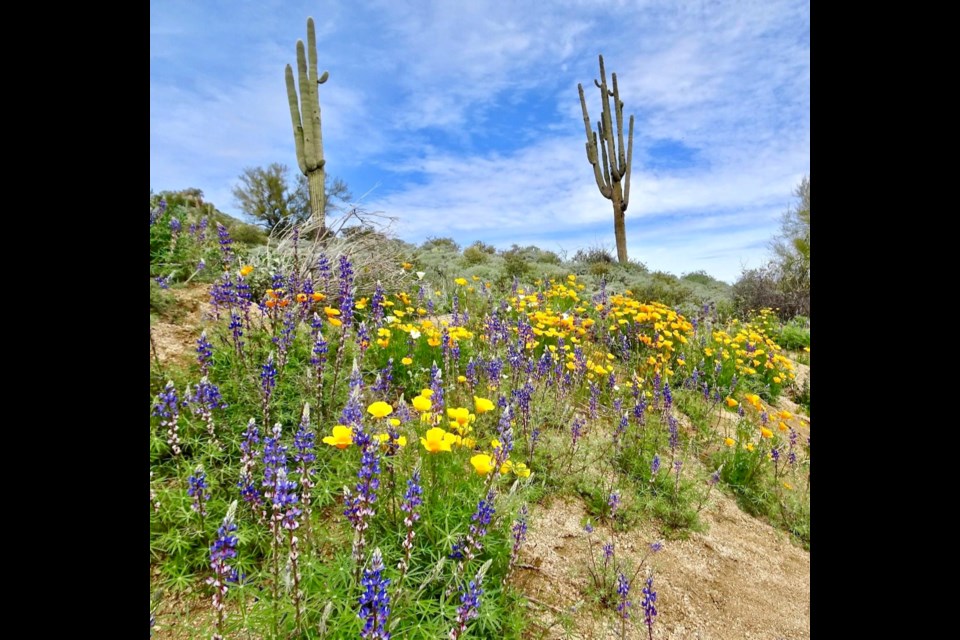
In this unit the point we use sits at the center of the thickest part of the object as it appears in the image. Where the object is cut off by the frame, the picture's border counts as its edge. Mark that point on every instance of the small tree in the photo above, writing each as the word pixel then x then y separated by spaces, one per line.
pixel 264 195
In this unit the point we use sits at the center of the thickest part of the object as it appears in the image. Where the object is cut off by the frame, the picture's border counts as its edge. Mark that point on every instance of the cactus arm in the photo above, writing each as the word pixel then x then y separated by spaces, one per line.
pixel 618 105
pixel 309 155
pixel 295 119
pixel 591 145
pixel 603 154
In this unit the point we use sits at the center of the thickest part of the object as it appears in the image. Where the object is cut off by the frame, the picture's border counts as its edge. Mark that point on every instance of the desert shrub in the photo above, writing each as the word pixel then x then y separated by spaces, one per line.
pixel 440 244
pixel 514 264
pixel 248 234
pixel 473 255
pixel 593 255
pixel 484 247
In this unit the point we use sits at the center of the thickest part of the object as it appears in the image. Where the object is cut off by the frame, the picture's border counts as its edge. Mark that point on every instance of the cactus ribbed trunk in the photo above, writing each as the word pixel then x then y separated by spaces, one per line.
pixel 315 183
pixel 614 180
pixel 619 224
pixel 305 117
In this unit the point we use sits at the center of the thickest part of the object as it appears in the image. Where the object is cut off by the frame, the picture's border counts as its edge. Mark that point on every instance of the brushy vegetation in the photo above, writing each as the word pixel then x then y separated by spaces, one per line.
pixel 346 458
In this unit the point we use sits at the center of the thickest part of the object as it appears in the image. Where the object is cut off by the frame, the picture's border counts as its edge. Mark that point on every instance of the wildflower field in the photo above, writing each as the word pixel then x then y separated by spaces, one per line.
pixel 413 452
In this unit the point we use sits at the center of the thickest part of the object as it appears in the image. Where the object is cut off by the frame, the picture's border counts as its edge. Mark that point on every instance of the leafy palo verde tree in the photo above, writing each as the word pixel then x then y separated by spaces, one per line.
pixel 306 122
pixel 616 164
pixel 264 195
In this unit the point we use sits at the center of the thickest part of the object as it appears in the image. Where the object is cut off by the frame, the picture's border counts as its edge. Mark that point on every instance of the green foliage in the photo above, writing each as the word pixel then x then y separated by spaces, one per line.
pixel 434 243
pixel 265 195
pixel 474 255
pixel 783 283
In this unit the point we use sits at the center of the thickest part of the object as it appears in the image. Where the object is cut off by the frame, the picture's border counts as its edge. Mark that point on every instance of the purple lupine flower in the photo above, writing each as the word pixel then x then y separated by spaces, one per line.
pixel 304 443
pixel 346 291
pixel 163 281
pixel 674 428
pixel 654 467
pixel 205 398
pixel 359 502
pixel 167 408
pixel 226 251
pixel 775 454
pixel 614 503
pixel 221 551
pixel 325 270
pixel 494 369
pixel 576 431
pixel 376 305
pixel 594 400
pixel 649 604
pixel 519 530
pixel 608 551
pixel 363 337
pixel 764 418
pixel 236 330
pixel 715 477
pixel 204 353
pixel 196 490
pixel 268 380
pixel 381 386
pixel 640 411
pixel 667 396
pixel 588 527
pixel 175 225
pixel 505 437
pixel 740 411
pixel 375 601
pixel 248 459
pixel 201 265
pixel 469 603
pixel 436 385
pixel 411 500
pixel 623 590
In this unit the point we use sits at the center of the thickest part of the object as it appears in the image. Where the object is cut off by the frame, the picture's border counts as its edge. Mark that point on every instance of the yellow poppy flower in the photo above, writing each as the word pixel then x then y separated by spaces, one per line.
pixel 422 404
pixel 437 440
pixel 521 470
pixel 731 402
pixel 246 270
pixel 301 297
pixel 342 437
pixel 482 405
pixel 461 281
pixel 729 442
pixel 749 446
pixel 766 433
pixel 318 297
pixel 461 378
pixel 379 409
pixel 482 463
pixel 330 311
pixel 407 361
pixel 335 321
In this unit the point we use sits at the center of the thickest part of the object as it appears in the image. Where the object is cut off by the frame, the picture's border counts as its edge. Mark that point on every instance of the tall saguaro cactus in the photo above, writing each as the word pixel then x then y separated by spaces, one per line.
pixel 616 165
pixel 306 123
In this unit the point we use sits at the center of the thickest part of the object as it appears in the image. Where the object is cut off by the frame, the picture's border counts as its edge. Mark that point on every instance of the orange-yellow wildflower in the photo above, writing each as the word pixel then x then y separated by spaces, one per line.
pixel 379 409
pixel 482 463
pixel 437 440
pixel 342 437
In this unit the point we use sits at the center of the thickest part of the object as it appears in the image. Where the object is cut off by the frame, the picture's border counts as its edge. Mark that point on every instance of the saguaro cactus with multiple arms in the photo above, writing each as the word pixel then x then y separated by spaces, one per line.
pixel 616 165
pixel 306 122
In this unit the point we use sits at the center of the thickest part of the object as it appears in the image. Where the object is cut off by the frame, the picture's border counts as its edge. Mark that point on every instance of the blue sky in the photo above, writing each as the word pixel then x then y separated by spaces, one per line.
pixel 462 118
